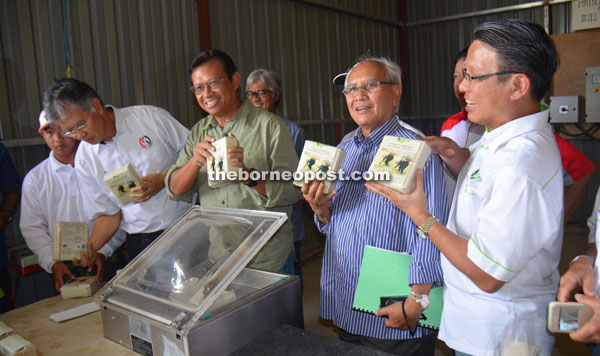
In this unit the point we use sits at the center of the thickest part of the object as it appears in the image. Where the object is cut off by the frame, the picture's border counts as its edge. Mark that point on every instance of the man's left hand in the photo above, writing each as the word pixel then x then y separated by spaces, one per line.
pixel 151 184
pixel 396 318
pixel 590 331
pixel 413 204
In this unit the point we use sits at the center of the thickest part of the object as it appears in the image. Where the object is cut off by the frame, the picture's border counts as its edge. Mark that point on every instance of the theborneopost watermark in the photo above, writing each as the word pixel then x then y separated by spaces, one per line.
pixel 299 176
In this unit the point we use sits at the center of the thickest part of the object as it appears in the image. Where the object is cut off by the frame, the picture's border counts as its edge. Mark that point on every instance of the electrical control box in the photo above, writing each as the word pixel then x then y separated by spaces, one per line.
pixel 566 109
pixel 592 94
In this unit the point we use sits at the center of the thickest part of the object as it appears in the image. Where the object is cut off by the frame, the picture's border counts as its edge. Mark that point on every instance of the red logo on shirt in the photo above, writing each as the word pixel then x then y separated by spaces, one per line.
pixel 145 142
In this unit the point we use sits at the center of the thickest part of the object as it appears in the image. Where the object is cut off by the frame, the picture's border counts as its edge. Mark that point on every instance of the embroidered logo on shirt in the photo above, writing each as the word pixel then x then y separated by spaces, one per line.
pixel 475 176
pixel 145 141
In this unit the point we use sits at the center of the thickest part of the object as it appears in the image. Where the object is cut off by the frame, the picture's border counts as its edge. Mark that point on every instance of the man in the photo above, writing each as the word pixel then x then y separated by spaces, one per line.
pixel 51 193
pixel 582 273
pixel 263 89
pixel 265 145
pixel 577 168
pixel 347 216
pixel 457 127
pixel 147 137
pixel 503 240
pixel 10 185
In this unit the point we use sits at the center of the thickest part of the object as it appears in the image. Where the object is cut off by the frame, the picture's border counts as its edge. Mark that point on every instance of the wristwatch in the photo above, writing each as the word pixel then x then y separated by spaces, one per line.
pixel 422 299
pixel 251 183
pixel 423 230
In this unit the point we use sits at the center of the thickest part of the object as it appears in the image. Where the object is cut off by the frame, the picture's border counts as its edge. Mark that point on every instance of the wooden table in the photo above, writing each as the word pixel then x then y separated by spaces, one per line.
pixel 79 336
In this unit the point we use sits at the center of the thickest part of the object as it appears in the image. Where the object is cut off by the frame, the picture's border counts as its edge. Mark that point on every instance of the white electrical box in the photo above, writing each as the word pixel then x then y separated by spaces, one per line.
pixel 566 109
pixel 592 94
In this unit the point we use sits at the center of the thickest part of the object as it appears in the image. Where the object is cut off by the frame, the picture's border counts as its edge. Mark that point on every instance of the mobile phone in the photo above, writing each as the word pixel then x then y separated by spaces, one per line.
pixel 566 317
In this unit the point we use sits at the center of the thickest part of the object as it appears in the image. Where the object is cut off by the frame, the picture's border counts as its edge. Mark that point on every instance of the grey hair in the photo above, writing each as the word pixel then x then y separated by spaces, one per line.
pixel 267 77
pixel 393 70
pixel 64 92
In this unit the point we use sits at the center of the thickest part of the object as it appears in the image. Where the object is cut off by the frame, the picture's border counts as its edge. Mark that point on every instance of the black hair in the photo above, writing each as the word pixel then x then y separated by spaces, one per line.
pixel 522 47
pixel 206 55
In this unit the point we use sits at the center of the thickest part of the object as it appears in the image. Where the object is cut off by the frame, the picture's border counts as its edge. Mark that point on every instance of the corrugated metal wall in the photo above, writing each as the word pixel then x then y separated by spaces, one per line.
pixel 132 52
pixel 307 44
pixel 435 37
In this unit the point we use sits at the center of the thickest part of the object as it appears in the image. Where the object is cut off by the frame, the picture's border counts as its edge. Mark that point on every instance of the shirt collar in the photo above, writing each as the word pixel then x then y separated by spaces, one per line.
pixel 239 117
pixel 514 128
pixel 57 165
pixel 377 135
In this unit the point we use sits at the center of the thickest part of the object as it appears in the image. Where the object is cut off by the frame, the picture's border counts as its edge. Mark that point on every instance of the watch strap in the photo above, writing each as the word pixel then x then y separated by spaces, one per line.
pixel 585 255
pixel 424 228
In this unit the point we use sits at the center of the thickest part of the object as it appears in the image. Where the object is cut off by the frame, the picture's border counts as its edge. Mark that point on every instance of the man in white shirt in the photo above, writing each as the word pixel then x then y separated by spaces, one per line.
pixel 147 137
pixel 503 240
pixel 51 193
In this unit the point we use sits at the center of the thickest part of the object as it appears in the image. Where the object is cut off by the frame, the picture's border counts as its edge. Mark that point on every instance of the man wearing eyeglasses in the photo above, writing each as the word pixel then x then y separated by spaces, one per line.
pixel 147 137
pixel 51 193
pixel 502 243
pixel 353 217
pixel 577 169
pixel 265 145
pixel 263 90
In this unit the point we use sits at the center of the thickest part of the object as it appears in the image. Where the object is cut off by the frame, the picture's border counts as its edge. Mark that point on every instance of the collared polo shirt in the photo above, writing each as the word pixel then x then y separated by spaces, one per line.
pixel 509 206
pixel 51 192
pixel 150 139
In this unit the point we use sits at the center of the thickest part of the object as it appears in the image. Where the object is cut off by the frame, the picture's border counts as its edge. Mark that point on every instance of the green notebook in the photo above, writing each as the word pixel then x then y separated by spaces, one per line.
pixel 384 273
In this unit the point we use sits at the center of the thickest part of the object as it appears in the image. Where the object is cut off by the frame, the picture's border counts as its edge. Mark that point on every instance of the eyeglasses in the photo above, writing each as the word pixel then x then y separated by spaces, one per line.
pixel 75 129
pixel 470 78
pixel 259 93
pixel 369 86
pixel 212 84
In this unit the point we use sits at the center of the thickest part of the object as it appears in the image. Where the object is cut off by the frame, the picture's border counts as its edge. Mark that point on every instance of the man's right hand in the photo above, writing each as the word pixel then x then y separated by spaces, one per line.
pixel 320 203
pixel 203 150
pixel 59 269
pixel 581 273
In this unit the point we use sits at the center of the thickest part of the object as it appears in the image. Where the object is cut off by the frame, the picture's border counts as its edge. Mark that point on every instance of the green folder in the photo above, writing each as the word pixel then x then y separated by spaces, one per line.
pixel 384 273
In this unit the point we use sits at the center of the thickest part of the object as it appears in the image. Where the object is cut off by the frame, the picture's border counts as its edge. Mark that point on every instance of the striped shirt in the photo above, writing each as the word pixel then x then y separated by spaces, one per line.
pixel 361 217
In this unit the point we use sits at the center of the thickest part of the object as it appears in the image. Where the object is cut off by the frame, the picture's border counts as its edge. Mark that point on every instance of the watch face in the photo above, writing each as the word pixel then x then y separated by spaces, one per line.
pixel 425 301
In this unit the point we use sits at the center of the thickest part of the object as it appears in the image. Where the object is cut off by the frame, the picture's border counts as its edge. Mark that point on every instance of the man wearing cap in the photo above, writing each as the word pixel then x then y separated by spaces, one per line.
pixel 263 89
pixel 51 193
pixel 147 137
pixel 265 145
pixel 502 244
pixel 349 214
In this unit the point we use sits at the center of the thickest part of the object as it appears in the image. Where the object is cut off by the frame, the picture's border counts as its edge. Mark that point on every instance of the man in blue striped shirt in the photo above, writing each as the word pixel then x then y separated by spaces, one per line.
pixel 353 217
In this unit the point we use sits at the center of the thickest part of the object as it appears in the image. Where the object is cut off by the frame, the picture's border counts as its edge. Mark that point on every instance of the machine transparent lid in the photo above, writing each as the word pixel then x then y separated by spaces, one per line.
pixel 198 257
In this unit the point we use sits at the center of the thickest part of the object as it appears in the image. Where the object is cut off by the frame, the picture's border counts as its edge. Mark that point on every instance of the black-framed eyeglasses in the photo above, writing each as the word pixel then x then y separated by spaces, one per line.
pixel 470 78
pixel 212 84
pixel 259 93
pixel 368 86
pixel 78 126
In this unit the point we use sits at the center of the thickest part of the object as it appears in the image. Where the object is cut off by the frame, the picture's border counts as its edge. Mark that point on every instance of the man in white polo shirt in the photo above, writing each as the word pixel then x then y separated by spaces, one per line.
pixel 147 137
pixel 51 193
pixel 503 240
